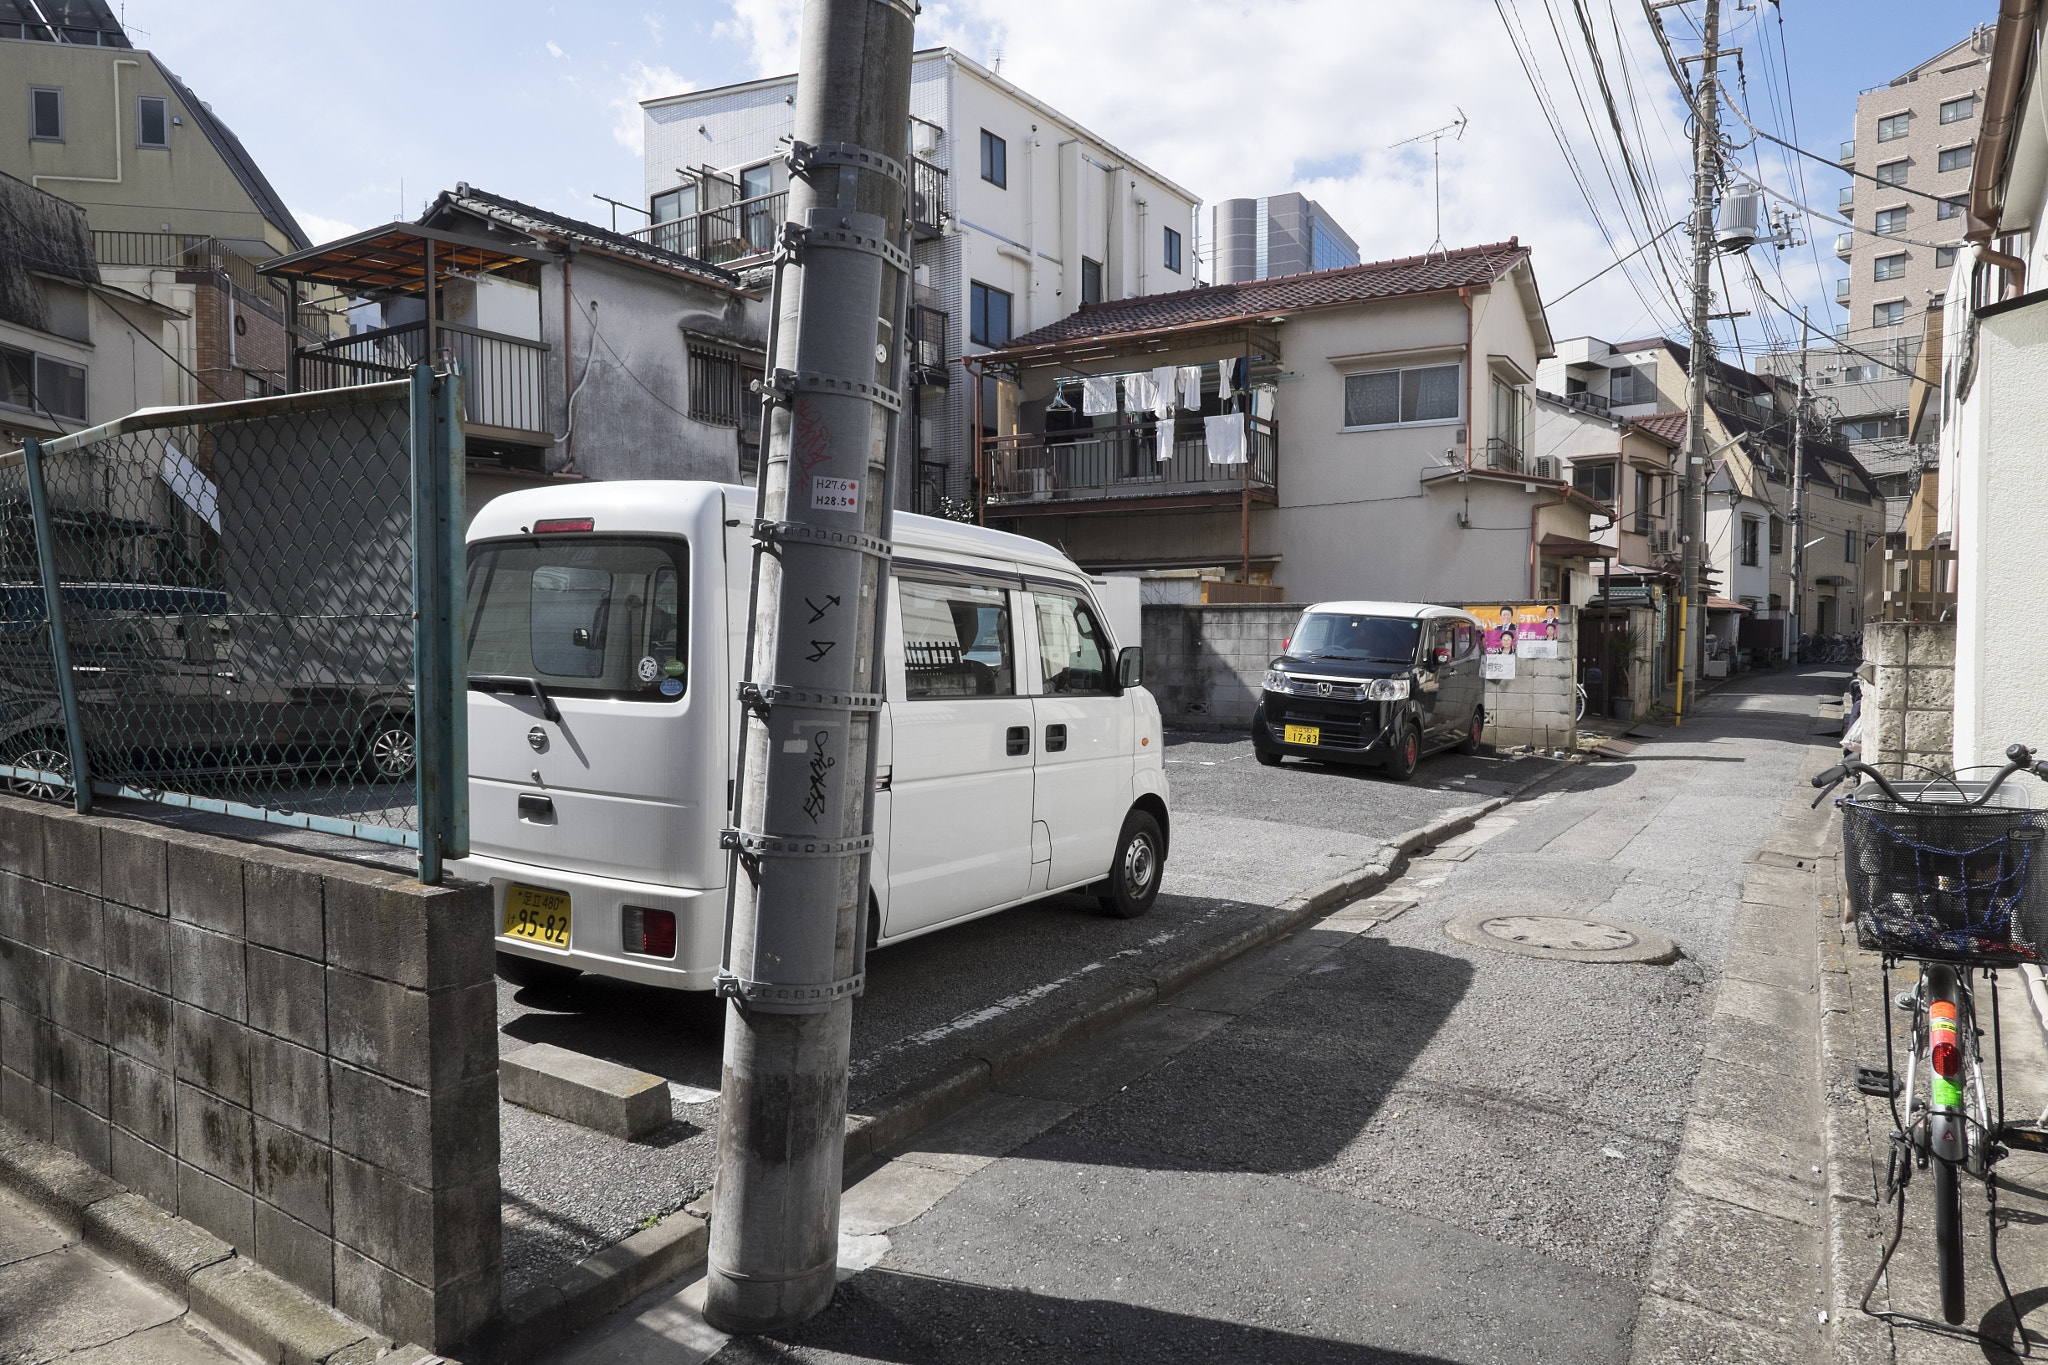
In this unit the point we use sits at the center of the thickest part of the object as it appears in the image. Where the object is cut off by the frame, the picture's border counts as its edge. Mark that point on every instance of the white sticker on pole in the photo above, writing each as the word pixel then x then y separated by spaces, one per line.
pixel 835 495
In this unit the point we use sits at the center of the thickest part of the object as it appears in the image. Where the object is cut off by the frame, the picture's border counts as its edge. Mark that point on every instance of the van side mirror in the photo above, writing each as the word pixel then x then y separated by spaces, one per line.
pixel 1442 655
pixel 1130 666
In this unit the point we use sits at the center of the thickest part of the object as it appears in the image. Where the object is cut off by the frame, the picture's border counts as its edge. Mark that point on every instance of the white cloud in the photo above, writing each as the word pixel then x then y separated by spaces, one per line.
pixel 769 29
pixel 554 51
pixel 641 82
pixel 655 25
pixel 325 229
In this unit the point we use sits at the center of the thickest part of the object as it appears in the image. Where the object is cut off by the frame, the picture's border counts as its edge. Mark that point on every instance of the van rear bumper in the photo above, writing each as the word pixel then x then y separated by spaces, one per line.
pixel 596 906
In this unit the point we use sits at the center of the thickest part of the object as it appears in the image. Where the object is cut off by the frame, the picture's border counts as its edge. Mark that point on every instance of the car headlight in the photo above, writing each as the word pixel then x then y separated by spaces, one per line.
pixel 1276 681
pixel 1387 689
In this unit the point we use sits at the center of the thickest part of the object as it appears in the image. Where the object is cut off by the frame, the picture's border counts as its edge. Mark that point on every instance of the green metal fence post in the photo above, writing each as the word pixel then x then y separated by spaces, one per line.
pixel 53 604
pixel 440 669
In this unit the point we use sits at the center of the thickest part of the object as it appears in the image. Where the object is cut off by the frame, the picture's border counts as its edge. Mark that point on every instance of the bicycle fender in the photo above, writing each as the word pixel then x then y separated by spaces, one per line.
pixel 1946 1138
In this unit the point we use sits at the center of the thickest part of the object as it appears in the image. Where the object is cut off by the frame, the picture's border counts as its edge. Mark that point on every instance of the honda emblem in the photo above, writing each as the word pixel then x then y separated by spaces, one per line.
pixel 1322 689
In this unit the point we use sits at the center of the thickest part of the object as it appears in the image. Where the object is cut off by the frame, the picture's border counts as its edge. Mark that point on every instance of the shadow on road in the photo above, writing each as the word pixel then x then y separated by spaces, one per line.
pixel 904 1319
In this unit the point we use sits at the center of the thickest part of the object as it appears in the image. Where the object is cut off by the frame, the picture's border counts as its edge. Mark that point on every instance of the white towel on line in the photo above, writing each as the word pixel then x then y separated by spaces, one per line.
pixel 1138 393
pixel 1098 395
pixel 1191 387
pixel 1163 378
pixel 1226 437
pixel 1165 435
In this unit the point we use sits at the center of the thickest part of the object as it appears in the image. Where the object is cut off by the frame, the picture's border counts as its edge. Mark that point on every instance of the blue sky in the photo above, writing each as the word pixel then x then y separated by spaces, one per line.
pixel 342 105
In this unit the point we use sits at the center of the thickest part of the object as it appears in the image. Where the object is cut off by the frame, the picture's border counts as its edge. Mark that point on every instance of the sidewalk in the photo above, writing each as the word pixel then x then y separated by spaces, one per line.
pixel 60 1301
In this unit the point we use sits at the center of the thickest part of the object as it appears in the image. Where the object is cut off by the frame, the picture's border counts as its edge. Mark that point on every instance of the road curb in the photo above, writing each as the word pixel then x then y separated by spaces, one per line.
pixel 547 1315
pixel 230 1293
pixel 1852 1223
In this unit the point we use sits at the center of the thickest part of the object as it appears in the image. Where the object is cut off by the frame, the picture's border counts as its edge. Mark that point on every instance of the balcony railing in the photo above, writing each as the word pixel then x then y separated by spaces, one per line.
pixel 504 377
pixel 1841 290
pixel 1848 151
pixel 928 206
pixel 1592 402
pixel 928 346
pixel 730 232
pixel 1845 242
pixel 1845 197
pixel 1122 463
pixel 1503 455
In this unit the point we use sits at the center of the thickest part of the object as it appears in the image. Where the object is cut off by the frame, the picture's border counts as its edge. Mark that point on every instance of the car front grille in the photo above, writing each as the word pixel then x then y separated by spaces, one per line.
pixel 1346 725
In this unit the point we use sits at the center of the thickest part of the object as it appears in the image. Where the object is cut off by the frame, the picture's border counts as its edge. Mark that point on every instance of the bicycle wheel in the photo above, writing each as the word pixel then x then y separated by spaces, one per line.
pixel 1948 1238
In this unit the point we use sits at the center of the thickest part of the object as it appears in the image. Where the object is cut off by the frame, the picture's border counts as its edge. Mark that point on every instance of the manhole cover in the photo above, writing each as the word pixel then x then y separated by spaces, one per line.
pixel 1558 931
pixel 1568 938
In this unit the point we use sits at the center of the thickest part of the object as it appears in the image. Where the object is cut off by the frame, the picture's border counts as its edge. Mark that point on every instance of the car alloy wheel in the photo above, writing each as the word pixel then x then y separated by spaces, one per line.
pixel 393 752
pixel 53 761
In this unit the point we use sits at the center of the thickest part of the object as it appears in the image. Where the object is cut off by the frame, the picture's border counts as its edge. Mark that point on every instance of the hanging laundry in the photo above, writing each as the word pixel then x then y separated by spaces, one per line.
pixel 1223 384
pixel 1191 387
pixel 1138 393
pixel 1262 402
pixel 1165 435
pixel 1226 437
pixel 1098 395
pixel 1162 391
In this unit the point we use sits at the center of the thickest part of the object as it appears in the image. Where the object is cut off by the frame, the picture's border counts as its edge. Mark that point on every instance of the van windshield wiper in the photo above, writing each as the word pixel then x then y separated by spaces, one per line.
pixel 516 682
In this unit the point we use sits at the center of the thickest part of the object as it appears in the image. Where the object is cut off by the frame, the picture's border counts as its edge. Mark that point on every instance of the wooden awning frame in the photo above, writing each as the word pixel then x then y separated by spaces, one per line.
pixel 398 258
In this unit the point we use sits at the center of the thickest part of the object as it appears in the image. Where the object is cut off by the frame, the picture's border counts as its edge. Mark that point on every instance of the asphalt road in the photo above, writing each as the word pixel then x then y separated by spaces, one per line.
pixel 1373 1143
pixel 1244 837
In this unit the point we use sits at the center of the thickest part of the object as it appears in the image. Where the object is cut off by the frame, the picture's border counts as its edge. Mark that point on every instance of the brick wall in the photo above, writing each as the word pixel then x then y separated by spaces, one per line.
pixel 297 1054
pixel 1909 709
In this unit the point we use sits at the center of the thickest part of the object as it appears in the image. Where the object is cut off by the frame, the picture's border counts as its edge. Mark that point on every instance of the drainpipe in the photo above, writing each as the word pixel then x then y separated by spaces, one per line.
pixel 2001 108
pixel 568 362
pixel 1471 379
pixel 38 180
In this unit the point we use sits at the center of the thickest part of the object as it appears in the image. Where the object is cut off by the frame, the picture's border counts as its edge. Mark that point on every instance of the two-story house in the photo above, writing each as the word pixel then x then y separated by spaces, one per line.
pixel 587 353
pixel 1359 432
pixel 1019 216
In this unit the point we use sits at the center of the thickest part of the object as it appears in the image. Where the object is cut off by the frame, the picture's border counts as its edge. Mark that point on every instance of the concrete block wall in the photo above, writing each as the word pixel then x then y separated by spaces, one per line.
pixel 1539 706
pixel 295 1053
pixel 1909 709
pixel 1203 664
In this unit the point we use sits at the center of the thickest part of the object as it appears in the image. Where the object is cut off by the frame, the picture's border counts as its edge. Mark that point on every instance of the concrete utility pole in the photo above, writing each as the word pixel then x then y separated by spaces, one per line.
pixel 1798 597
pixel 1706 151
pixel 797 929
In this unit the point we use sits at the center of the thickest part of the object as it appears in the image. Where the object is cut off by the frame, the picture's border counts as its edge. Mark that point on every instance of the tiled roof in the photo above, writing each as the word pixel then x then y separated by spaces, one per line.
pixel 1467 267
pixel 539 222
pixel 238 161
pixel 1668 427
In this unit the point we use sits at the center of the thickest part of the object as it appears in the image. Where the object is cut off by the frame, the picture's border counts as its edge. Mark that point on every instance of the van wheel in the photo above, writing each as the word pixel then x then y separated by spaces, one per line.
pixel 525 971
pixel 1134 874
pixel 1471 744
pixel 1405 753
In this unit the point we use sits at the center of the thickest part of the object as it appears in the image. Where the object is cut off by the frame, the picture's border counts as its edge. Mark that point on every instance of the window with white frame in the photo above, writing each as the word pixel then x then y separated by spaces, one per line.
pixel 1386 398
pixel 1953 158
pixel 45 113
pixel 152 121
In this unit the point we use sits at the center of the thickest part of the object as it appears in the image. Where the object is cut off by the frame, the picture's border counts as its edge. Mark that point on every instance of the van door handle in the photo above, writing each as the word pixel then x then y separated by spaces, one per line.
pixel 1017 740
pixel 536 810
pixel 1055 739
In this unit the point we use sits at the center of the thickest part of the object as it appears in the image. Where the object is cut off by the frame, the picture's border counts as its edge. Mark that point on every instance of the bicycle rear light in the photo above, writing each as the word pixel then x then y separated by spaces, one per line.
pixel 1947 1057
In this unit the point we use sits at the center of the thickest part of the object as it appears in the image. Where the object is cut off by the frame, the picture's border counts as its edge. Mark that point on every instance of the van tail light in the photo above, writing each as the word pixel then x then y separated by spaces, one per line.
pixel 650 933
pixel 560 524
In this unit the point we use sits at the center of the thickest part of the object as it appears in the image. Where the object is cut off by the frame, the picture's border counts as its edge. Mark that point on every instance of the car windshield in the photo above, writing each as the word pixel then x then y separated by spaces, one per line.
pixel 1362 639
pixel 594 617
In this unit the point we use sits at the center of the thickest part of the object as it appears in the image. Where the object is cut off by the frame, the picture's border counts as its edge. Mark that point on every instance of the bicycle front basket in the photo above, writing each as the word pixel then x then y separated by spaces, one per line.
pixel 1955 884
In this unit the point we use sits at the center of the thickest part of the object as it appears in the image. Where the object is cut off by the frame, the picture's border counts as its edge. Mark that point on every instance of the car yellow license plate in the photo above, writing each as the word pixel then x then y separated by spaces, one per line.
pixel 1304 734
pixel 537 916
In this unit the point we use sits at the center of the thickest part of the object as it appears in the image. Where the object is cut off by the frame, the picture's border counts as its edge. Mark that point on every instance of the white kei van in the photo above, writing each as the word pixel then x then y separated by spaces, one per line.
pixel 605 628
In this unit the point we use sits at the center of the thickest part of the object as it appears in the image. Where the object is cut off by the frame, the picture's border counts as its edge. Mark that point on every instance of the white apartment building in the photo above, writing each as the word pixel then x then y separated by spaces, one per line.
pixel 1019 214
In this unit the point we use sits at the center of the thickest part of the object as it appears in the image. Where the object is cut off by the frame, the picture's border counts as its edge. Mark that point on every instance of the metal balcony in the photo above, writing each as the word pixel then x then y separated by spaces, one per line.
pixel 1845 197
pixel 1118 469
pixel 1503 455
pixel 1848 151
pixel 504 378
pixel 1845 243
pixel 1841 291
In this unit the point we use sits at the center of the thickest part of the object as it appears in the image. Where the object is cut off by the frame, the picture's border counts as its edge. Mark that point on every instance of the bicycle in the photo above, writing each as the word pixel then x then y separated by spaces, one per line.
pixel 1940 875
pixel 1580 688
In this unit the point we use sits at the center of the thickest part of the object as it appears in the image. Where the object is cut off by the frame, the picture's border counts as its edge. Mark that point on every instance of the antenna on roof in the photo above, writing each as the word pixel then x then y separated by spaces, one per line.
pixel 995 60
pixel 1436 145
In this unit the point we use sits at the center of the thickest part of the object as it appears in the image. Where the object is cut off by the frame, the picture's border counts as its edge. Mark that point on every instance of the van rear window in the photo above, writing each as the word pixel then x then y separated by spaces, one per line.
pixel 590 616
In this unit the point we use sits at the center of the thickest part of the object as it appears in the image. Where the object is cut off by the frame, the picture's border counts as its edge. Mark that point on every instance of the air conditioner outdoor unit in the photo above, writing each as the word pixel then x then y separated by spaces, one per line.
pixel 1546 466
pixel 1662 542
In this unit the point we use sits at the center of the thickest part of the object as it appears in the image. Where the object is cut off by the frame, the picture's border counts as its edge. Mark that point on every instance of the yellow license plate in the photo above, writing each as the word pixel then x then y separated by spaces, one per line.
pixel 1304 734
pixel 537 916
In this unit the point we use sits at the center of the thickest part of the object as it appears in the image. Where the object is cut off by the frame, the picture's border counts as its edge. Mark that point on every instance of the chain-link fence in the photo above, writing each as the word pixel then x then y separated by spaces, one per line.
pixel 239 612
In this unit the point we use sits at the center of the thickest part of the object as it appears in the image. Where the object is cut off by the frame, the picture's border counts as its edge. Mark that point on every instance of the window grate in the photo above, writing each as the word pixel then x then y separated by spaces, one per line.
pixel 714 387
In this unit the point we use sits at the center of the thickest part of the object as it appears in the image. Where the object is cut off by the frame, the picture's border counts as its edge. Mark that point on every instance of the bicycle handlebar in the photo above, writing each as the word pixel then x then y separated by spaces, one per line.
pixel 2018 758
